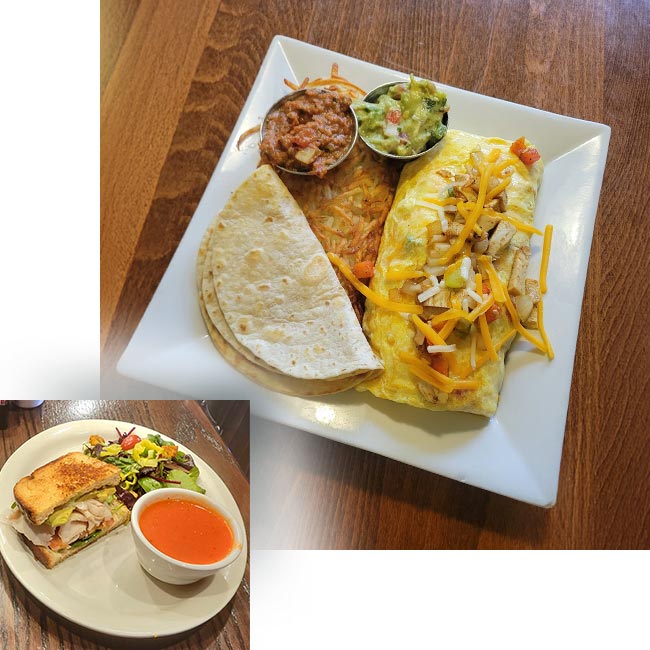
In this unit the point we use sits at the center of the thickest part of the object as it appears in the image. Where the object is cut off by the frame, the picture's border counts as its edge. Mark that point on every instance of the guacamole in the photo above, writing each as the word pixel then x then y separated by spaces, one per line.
pixel 404 121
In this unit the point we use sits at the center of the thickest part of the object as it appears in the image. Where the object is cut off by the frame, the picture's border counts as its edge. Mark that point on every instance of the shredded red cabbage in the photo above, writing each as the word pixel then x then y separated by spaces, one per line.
pixel 125 497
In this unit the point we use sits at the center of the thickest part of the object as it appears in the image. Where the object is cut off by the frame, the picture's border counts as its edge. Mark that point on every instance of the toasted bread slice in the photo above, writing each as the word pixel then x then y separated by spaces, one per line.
pixel 50 558
pixel 53 485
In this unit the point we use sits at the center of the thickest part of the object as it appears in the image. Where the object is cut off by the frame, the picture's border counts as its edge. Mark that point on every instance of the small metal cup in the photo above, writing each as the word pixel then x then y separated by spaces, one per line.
pixel 372 97
pixel 293 95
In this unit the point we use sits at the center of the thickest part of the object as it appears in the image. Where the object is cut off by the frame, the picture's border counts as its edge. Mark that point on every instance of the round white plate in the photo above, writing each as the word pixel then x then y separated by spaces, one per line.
pixel 103 587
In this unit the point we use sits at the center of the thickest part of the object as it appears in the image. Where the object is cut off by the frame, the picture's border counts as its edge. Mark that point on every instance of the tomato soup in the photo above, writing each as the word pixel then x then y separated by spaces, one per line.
pixel 187 531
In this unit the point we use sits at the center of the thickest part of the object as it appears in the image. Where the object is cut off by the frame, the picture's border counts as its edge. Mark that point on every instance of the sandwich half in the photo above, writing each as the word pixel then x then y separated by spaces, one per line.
pixel 66 505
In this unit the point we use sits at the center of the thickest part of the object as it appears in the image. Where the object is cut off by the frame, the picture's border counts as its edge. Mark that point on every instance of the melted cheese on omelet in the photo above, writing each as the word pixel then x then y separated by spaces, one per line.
pixel 404 246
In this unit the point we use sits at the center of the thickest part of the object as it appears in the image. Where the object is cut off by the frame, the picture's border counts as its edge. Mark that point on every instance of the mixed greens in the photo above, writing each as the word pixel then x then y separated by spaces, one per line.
pixel 146 464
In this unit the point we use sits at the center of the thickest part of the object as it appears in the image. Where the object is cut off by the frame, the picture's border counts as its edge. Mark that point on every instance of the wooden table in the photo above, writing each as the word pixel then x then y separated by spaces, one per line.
pixel 174 79
pixel 25 624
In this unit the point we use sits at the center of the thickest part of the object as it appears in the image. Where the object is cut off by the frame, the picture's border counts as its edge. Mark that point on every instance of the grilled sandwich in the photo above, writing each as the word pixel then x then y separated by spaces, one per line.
pixel 64 506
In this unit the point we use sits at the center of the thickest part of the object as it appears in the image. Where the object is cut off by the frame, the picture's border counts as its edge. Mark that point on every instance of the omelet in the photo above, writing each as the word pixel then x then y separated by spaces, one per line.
pixel 455 250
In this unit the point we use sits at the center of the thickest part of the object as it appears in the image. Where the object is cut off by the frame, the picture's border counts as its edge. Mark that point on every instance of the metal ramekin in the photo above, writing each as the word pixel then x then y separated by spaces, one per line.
pixel 372 97
pixel 293 95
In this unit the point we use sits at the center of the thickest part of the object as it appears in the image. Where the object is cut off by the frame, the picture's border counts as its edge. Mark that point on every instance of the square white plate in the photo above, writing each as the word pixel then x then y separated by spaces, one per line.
pixel 516 453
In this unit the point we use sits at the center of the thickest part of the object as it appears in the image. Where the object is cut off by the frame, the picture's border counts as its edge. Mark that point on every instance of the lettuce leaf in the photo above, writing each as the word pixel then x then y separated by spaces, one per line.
pixel 147 484
pixel 187 482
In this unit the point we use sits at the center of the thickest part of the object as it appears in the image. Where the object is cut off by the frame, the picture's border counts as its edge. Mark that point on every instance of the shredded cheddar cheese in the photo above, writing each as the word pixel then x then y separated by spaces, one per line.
pixel 447 329
pixel 471 219
pixel 447 315
pixel 546 251
pixel 495 283
pixel 487 339
pixel 422 370
pixel 484 358
pixel 519 225
pixel 403 274
pixel 505 164
pixel 428 331
pixel 441 203
pixel 542 330
pixel 373 296
pixel 514 316
pixel 498 189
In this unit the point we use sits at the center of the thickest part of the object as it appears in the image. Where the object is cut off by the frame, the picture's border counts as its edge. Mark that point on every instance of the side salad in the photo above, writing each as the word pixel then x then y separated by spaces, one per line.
pixel 146 464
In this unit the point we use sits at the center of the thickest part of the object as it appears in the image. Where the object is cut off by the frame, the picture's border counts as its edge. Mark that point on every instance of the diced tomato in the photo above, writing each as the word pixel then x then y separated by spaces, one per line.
pixel 492 313
pixel 394 116
pixel 518 146
pixel 529 156
pixel 439 363
pixel 486 287
pixel 364 269
pixel 130 441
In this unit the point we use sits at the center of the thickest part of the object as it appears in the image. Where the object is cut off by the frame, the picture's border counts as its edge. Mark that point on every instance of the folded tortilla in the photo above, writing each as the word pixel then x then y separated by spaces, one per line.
pixel 270 297
pixel 406 245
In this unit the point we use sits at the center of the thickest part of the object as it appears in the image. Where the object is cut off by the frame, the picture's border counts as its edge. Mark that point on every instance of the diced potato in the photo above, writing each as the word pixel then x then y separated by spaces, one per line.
pixel 524 305
pixel 516 284
pixel 532 290
pixel 441 299
pixel 500 238
pixel 487 222
pixel 531 321
pixel 481 245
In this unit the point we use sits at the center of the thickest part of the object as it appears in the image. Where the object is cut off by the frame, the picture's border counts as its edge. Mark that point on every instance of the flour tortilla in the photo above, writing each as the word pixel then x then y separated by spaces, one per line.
pixel 273 380
pixel 277 289
pixel 300 335
pixel 239 356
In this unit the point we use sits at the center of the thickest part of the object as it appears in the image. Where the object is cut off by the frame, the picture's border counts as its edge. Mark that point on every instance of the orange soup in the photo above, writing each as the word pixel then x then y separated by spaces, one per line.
pixel 187 531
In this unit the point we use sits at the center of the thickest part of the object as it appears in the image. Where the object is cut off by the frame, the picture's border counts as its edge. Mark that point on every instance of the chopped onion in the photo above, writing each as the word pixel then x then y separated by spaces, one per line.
pixel 390 129
pixel 419 337
pixel 465 304
pixel 444 223
pixel 465 266
pixel 474 296
pixel 432 349
pixel 428 293
pixel 449 208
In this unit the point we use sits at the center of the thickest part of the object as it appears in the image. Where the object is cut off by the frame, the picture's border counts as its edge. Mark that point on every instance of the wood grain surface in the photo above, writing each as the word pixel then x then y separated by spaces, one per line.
pixel 173 93
pixel 25 624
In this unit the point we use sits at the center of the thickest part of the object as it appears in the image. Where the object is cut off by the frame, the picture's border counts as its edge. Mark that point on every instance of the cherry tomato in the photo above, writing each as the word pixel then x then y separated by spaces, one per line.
pixel 130 441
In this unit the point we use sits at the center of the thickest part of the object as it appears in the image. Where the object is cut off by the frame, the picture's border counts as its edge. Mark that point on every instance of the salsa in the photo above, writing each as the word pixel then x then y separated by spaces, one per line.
pixel 308 133
pixel 405 120
pixel 187 531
